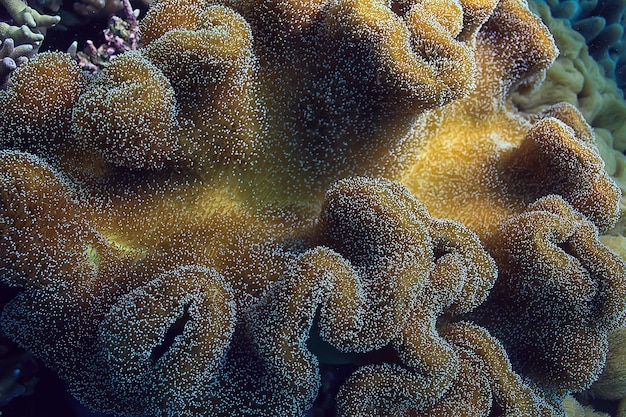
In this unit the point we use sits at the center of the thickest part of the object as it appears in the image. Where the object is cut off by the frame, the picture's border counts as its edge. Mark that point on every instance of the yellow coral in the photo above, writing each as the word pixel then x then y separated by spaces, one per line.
pixel 209 250
pixel 372 294
pixel 577 79
pixel 480 175
pixel 37 202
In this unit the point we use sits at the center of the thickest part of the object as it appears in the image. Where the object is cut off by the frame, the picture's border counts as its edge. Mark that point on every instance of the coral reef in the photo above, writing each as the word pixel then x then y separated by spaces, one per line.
pixel 578 79
pixel 120 36
pixel 601 25
pixel 27 23
pixel 12 57
pixel 571 297
pixel 267 187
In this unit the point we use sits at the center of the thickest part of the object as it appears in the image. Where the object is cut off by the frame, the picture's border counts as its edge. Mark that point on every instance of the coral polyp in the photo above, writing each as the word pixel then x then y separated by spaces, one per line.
pixel 267 187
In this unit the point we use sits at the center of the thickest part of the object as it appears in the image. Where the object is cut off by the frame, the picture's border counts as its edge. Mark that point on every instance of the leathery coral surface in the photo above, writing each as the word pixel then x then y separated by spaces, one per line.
pixel 268 187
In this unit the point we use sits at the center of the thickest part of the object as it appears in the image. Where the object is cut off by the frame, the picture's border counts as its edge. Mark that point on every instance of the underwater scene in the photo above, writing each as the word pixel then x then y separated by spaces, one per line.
pixel 312 208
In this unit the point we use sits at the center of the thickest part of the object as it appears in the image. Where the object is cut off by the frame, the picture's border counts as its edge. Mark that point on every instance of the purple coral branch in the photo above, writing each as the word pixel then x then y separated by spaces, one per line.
pixel 130 15
pixel 11 57
pixel 121 35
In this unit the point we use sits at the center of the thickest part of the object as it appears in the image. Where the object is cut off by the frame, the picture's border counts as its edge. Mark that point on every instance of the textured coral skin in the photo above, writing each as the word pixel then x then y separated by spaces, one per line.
pixel 584 298
pixel 299 183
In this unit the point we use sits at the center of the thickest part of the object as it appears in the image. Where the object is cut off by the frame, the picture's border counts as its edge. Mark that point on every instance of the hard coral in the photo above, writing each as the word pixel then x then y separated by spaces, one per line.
pixel 207 251
pixel 11 57
pixel 600 22
pixel 21 37
pixel 27 23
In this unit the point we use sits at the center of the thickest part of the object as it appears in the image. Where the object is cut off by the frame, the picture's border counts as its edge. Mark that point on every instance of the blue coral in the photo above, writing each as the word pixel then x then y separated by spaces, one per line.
pixel 601 22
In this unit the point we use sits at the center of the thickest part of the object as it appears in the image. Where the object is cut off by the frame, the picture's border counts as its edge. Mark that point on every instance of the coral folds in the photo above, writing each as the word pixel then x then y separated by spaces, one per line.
pixel 270 187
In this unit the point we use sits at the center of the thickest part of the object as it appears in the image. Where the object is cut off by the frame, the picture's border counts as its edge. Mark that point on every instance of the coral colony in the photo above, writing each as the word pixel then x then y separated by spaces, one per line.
pixel 21 37
pixel 268 187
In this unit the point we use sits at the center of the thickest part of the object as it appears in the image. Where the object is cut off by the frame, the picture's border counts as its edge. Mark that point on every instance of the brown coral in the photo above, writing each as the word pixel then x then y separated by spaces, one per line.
pixel 372 295
pixel 486 381
pixel 141 363
pixel 558 155
pixel 505 160
pixel 191 233
pixel 38 206
pixel 41 98
pixel 554 273
pixel 144 134
pixel 611 384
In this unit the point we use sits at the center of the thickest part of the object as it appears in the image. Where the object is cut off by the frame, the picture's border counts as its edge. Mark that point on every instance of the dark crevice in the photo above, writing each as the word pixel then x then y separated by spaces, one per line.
pixel 439 253
pixel 441 247
pixel 7 293
pixel 332 378
pixel 568 248
pixel 175 330
pixel 496 410
pixel 603 406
